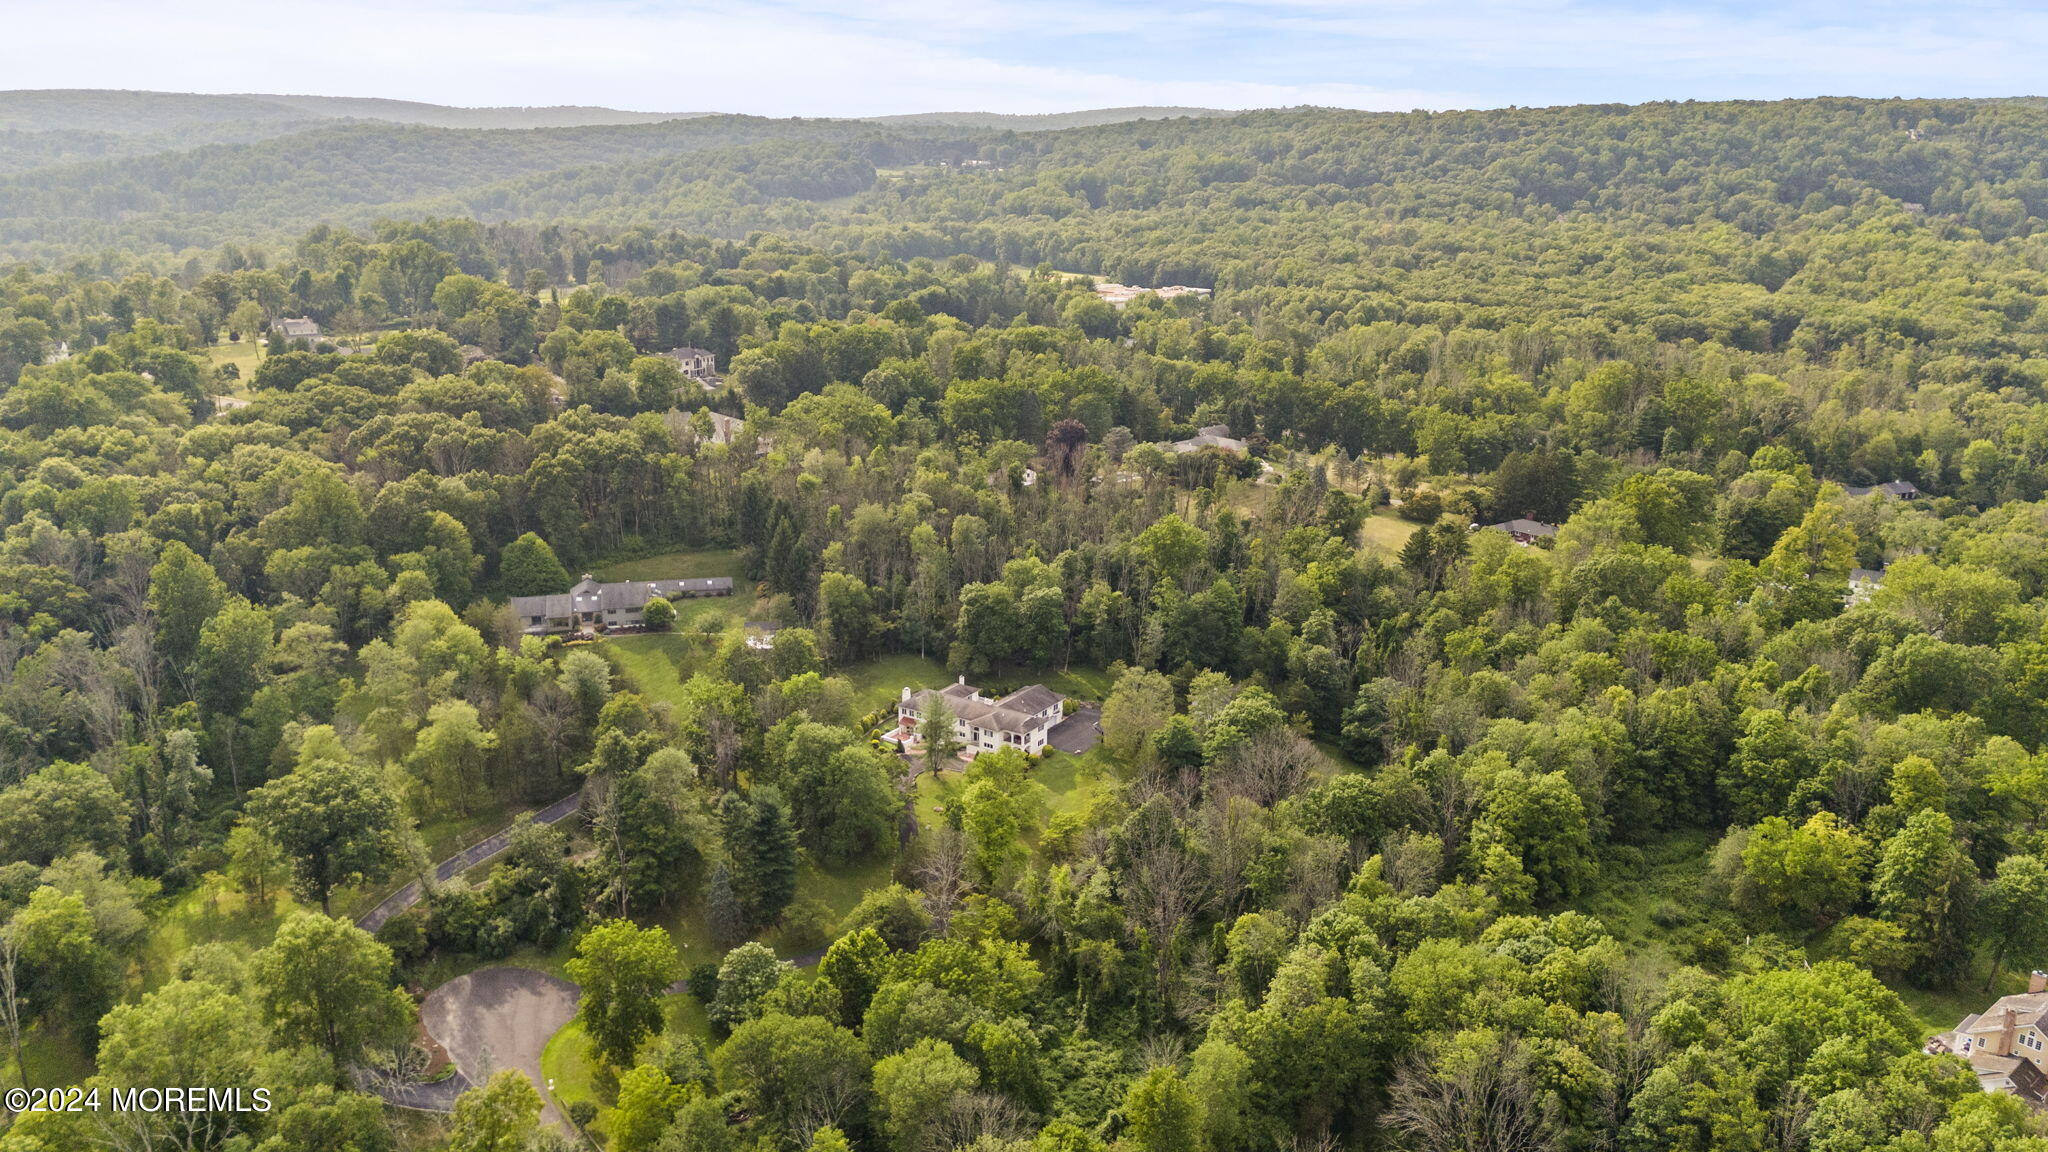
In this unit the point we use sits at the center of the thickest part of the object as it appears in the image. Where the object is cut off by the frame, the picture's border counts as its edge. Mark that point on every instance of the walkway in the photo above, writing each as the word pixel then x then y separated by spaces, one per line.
pixel 463 861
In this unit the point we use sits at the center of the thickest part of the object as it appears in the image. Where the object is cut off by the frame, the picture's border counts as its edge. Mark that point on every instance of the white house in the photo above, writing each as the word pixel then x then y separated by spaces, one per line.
pixel 1020 720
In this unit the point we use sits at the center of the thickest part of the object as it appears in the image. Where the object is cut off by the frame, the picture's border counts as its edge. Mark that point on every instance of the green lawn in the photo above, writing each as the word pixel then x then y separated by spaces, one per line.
pixel 569 1062
pixel 653 661
pixel 692 564
pixel 1386 532
pixel 1083 682
pixel 245 356
pixel 879 681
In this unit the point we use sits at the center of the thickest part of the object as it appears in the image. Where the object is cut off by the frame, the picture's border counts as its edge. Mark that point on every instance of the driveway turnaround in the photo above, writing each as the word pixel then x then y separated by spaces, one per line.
pixel 463 861
pixel 1080 731
pixel 497 1018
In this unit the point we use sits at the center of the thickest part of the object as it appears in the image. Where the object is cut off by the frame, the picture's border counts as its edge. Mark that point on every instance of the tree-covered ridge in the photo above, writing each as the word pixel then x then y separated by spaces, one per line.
pixel 1662 835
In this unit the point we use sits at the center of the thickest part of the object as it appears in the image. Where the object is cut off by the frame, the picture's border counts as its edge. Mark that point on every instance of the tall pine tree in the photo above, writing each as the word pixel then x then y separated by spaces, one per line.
pixel 761 843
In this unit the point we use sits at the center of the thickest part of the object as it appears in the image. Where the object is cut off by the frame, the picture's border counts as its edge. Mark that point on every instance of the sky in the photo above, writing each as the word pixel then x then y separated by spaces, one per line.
pixel 878 57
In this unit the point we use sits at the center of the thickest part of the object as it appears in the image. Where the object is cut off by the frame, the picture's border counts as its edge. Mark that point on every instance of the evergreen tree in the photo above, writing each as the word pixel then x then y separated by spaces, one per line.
pixel 761 843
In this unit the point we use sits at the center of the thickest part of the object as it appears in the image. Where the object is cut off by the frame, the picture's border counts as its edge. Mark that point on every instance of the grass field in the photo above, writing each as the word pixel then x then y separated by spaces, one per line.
pixel 881 680
pixel 245 356
pixel 653 661
pixel 1385 532
pixel 689 564
pixel 569 1063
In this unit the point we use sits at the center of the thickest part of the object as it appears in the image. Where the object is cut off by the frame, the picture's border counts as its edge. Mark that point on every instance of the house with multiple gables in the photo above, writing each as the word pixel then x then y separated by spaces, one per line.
pixel 1020 720
pixel 590 606
pixel 297 328
pixel 698 364
pixel 2006 1044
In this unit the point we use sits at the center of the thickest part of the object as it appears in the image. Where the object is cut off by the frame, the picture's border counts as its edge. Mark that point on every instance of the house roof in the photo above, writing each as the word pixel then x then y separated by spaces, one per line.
pixel 1012 714
pixel 1866 575
pixel 1525 527
pixel 587 595
pixel 300 326
pixel 2027 1008
pixel 1210 436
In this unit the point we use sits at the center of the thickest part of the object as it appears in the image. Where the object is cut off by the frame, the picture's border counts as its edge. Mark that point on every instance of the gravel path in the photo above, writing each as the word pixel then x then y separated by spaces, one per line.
pixel 463 861
pixel 497 1018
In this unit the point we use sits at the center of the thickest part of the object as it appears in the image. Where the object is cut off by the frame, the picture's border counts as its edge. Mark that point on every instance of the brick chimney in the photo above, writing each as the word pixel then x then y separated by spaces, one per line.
pixel 2008 1027
pixel 2038 981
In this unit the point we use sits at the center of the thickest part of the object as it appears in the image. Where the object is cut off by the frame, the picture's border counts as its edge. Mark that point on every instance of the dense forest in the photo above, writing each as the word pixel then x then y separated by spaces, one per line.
pixel 1682 827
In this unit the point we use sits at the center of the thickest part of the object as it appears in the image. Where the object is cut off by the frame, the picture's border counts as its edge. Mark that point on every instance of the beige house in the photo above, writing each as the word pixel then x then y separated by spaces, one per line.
pixel 297 328
pixel 698 364
pixel 2006 1044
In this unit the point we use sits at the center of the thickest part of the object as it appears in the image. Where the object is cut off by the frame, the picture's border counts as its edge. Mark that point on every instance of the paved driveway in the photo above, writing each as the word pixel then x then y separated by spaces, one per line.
pixel 463 861
pixel 1080 731
pixel 497 1018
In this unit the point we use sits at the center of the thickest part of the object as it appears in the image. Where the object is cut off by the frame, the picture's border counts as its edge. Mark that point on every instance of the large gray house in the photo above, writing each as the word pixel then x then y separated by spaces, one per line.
pixel 590 605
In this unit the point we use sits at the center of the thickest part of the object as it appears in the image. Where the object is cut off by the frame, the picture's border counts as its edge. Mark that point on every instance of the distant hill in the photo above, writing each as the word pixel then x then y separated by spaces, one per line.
pixel 443 116
pixel 1048 122
pixel 143 113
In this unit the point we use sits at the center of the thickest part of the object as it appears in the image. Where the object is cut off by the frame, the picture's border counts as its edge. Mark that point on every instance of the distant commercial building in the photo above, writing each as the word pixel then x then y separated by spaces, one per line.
pixel 591 606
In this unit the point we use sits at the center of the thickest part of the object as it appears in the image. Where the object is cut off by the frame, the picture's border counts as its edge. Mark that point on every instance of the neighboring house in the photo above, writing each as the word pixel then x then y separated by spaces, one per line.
pixel 300 328
pixel 761 635
pixel 590 605
pixel 2006 1044
pixel 724 428
pixel 1215 436
pixel 1863 582
pixel 227 404
pixel 698 364
pixel 1896 489
pixel 1525 531
pixel 1019 720
pixel 59 354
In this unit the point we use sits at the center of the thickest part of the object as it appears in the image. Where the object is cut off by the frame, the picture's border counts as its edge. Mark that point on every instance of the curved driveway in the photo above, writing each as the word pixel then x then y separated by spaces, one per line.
pixel 463 861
